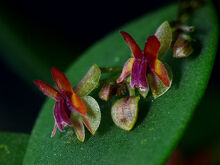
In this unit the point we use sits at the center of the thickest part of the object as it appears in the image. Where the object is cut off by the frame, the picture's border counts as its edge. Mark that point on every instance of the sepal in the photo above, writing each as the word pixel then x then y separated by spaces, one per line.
pixel 124 112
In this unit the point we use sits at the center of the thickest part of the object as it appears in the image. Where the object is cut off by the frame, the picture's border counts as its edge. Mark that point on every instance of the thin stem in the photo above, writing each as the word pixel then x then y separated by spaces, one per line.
pixel 109 80
pixel 110 69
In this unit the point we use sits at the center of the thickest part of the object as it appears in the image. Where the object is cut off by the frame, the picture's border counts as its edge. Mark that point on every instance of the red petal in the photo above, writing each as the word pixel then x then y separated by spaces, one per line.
pixel 151 49
pixel 126 70
pixel 136 51
pixel 78 105
pixel 62 82
pixel 159 69
pixel 48 90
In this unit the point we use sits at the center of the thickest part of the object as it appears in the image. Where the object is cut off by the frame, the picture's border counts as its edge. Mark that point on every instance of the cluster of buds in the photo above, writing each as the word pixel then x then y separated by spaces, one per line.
pixel 182 46
pixel 144 71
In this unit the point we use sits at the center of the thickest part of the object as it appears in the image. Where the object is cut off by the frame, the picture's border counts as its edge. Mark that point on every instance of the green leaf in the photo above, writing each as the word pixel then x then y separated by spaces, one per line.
pixel 30 52
pixel 12 147
pixel 204 128
pixel 160 123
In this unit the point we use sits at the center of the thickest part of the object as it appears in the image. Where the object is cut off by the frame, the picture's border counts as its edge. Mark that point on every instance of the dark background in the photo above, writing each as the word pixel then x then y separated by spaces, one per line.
pixel 74 25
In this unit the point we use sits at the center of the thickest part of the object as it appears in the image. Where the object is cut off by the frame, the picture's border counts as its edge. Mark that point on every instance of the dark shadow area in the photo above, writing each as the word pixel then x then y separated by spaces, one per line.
pixel 19 104
pixel 106 120
pixel 203 130
pixel 143 109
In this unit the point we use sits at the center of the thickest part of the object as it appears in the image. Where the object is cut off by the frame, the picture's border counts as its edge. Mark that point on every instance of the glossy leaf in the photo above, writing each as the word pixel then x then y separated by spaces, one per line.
pixel 12 148
pixel 160 123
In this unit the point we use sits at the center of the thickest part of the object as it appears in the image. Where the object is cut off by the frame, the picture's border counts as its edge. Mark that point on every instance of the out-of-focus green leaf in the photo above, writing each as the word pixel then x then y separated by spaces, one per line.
pixel 29 52
pixel 12 148
pixel 160 123
pixel 204 128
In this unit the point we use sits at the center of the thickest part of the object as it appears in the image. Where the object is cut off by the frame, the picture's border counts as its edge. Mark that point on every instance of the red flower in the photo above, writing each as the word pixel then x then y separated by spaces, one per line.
pixel 69 109
pixel 143 62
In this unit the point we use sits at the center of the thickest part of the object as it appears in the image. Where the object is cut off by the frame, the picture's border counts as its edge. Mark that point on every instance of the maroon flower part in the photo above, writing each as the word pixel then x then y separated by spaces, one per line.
pixel 143 62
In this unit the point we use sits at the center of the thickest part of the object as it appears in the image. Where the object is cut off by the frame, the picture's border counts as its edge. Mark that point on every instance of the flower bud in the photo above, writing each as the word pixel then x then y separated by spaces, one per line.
pixel 121 88
pixel 106 92
pixel 182 47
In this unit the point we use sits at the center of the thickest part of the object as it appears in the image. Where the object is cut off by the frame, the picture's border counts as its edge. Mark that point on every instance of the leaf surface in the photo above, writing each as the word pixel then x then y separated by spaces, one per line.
pixel 160 123
pixel 12 147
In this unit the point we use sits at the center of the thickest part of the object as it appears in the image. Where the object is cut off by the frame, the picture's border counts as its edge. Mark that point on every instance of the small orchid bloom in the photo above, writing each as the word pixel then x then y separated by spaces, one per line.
pixel 71 109
pixel 143 63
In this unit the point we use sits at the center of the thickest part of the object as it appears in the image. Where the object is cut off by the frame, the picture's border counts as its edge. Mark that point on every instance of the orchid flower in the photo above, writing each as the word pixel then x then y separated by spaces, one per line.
pixel 142 63
pixel 72 108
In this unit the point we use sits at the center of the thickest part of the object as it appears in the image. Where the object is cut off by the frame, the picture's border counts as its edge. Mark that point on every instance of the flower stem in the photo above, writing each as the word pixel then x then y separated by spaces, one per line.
pixel 110 69
pixel 109 80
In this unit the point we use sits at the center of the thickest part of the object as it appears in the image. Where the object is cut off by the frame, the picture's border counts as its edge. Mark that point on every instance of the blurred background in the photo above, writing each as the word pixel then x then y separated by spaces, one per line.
pixel 35 35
